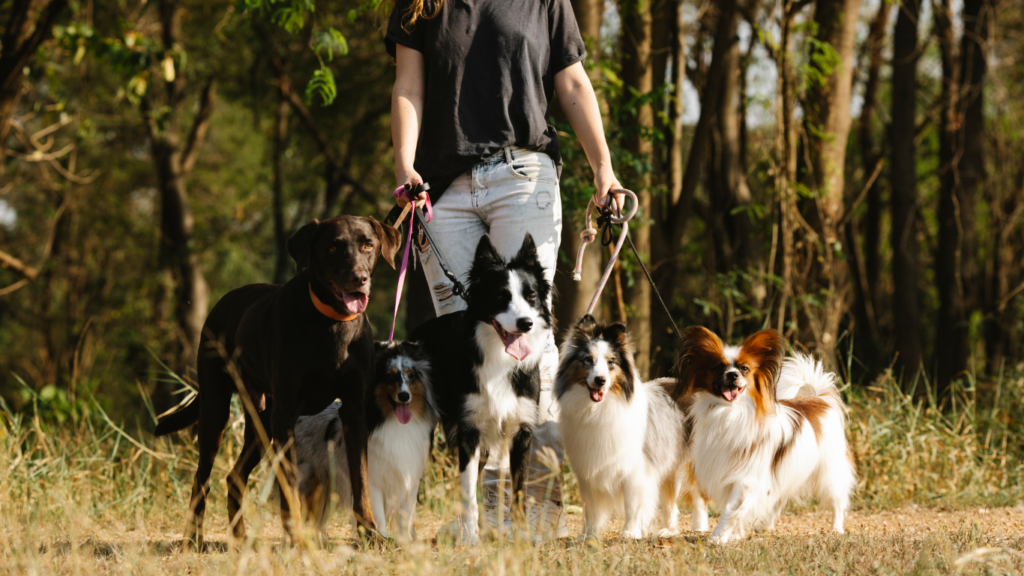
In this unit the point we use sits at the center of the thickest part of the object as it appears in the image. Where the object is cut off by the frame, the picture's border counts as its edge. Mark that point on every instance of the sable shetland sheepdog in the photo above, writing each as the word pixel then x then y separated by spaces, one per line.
pixel 484 356
pixel 762 430
pixel 624 438
pixel 401 415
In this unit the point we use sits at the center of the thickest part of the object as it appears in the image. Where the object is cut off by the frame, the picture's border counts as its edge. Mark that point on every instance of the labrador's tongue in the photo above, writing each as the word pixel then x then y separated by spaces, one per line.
pixel 732 393
pixel 355 302
pixel 403 413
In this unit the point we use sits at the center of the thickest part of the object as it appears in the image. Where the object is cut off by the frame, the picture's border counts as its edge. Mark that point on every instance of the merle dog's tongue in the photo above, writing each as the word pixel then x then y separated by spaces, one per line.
pixel 355 302
pixel 403 413
pixel 516 345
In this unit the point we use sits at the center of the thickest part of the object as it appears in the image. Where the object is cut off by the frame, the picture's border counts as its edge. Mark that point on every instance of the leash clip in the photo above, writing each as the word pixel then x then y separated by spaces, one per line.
pixel 610 214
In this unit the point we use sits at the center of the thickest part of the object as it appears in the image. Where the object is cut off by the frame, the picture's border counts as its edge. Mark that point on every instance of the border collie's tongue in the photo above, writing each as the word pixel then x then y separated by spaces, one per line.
pixel 403 413
pixel 355 302
pixel 597 395
pixel 731 393
pixel 516 345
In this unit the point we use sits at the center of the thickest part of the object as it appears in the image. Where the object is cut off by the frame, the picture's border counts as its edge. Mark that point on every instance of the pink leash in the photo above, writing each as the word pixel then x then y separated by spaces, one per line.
pixel 406 191
pixel 590 233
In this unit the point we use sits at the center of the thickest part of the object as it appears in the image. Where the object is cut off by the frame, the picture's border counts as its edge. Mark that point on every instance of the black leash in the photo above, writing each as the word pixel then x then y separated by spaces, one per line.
pixel 457 288
pixel 604 224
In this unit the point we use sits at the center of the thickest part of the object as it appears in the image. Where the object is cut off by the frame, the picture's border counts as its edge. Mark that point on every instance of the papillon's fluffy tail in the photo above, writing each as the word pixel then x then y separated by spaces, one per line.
pixel 802 375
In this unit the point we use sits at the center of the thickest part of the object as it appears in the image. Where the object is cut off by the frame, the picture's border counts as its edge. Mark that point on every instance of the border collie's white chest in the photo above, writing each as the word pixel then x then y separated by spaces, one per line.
pixel 495 410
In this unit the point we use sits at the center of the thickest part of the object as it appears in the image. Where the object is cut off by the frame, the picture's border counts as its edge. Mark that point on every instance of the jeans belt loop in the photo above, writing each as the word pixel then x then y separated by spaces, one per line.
pixel 508 154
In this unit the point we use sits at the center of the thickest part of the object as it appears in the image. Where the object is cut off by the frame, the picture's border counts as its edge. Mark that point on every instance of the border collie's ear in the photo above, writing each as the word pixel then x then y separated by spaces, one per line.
pixel 527 255
pixel 487 257
pixel 390 241
pixel 769 350
pixel 300 243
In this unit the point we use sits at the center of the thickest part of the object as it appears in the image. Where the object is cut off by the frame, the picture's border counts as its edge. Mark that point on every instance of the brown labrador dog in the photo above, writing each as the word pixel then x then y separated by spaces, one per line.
pixel 296 347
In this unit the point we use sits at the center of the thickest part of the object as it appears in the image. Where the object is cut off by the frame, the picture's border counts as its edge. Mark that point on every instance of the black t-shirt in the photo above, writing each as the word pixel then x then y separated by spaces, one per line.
pixel 490 70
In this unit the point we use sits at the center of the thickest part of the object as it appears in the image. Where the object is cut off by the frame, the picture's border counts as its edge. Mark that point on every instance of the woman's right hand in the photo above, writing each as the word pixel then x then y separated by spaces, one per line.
pixel 410 177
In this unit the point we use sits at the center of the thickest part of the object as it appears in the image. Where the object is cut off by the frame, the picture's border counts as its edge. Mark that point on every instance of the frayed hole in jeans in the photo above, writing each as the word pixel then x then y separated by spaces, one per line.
pixel 543 199
pixel 444 294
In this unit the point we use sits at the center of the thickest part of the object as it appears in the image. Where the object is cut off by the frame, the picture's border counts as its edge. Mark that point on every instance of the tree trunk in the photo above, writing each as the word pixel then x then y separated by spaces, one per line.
pixel 573 297
pixel 173 160
pixel 903 197
pixel 637 75
pixel 868 261
pixel 827 119
pixel 963 171
pixel 282 262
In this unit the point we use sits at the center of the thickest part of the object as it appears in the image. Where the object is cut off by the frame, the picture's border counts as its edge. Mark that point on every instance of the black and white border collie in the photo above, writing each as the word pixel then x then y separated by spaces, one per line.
pixel 624 438
pixel 401 416
pixel 485 358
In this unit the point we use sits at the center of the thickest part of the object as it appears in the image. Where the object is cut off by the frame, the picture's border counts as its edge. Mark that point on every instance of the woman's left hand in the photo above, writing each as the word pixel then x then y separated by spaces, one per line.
pixel 605 182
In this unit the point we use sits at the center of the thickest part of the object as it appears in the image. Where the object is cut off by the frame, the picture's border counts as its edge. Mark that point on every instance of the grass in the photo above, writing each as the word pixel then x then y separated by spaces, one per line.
pixel 86 497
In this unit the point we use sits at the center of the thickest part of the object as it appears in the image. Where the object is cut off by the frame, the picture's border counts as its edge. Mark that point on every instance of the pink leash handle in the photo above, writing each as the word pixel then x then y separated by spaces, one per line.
pixel 407 191
pixel 590 233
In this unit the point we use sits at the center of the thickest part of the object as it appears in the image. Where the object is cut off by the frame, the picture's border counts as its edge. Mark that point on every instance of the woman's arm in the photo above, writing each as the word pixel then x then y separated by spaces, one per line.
pixel 406 114
pixel 580 106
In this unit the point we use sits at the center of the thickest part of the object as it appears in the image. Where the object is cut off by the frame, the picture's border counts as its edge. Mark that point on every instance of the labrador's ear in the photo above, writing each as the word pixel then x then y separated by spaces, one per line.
pixel 300 244
pixel 390 241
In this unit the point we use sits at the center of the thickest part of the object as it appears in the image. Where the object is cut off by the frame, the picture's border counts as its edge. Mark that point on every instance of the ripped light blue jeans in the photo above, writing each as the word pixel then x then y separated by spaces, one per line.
pixel 505 196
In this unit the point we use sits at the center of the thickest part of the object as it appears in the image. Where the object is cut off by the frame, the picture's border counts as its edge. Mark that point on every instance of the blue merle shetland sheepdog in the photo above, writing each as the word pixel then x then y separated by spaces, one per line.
pixel 401 415
pixel 486 360
pixel 625 439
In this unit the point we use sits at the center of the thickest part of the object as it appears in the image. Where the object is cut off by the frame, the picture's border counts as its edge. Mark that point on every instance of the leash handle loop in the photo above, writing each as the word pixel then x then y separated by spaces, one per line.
pixel 610 214
pixel 410 191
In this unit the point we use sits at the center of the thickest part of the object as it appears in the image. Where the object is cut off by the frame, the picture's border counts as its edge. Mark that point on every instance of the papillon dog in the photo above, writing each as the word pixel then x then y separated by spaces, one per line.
pixel 762 430
pixel 624 438
pixel 401 415
pixel 485 357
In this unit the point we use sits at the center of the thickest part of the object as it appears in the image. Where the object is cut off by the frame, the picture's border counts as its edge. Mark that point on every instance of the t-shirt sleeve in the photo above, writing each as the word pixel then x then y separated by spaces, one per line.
pixel 398 35
pixel 566 43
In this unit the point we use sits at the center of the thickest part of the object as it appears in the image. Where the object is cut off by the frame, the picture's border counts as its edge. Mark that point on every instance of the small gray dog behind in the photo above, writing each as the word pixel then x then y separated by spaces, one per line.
pixel 401 415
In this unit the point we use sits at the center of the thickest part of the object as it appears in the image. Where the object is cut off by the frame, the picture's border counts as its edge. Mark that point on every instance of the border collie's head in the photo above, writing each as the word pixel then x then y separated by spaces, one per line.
pixel 703 363
pixel 510 296
pixel 599 358
pixel 403 381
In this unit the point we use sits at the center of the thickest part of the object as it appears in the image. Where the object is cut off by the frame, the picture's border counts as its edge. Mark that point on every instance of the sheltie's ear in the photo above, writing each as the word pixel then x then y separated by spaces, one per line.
pixel 700 351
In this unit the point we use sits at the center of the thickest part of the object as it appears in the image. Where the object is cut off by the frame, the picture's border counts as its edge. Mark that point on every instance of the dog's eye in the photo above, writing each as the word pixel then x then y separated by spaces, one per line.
pixel 531 296
pixel 587 361
pixel 332 249
pixel 611 361
pixel 744 369
pixel 367 246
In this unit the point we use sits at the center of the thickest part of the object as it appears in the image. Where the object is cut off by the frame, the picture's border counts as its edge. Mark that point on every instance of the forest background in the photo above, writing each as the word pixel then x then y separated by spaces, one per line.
pixel 850 172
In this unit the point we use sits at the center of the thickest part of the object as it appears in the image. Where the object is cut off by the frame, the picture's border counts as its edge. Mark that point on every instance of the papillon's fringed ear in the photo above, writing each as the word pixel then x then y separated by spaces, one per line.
pixel 699 351
pixel 527 255
pixel 768 348
pixel 301 244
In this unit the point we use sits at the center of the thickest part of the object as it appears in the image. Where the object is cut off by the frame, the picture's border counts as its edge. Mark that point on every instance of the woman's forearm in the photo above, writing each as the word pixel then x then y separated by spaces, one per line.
pixel 581 108
pixel 406 110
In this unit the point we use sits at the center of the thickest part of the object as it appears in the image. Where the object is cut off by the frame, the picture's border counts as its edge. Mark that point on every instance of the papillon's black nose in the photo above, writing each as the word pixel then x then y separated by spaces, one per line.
pixel 732 376
pixel 524 324
pixel 599 381
pixel 403 396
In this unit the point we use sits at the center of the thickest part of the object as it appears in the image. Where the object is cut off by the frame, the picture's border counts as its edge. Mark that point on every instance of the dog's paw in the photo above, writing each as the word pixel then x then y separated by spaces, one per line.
pixel 667 533
pixel 460 533
pixel 632 535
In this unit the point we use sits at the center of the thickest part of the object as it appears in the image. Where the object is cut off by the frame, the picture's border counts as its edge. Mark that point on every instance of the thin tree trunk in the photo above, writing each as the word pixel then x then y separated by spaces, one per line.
pixel 573 297
pixel 871 225
pixel 827 110
pixel 905 307
pixel 282 262
pixel 637 74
